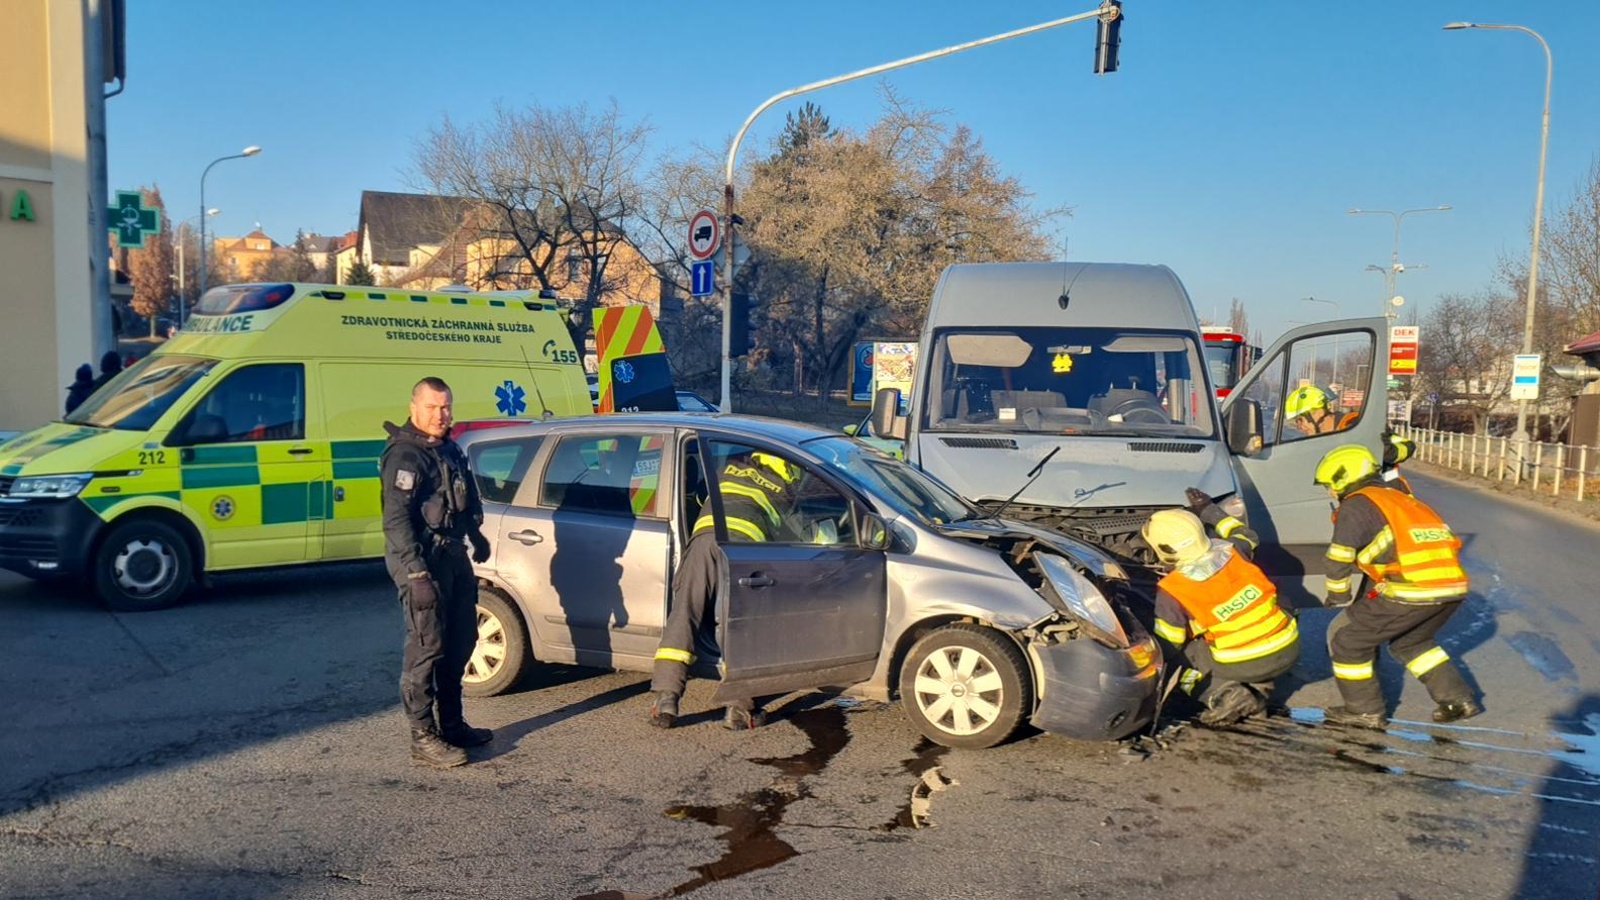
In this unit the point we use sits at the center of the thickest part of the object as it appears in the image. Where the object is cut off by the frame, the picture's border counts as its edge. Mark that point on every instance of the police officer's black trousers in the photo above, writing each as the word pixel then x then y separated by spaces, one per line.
pixel 694 591
pixel 439 640
pixel 1355 635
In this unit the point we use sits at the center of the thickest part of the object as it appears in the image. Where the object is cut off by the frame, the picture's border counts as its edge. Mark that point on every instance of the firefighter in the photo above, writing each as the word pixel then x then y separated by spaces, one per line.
pixel 431 511
pixel 758 504
pixel 1416 583
pixel 1309 411
pixel 1219 611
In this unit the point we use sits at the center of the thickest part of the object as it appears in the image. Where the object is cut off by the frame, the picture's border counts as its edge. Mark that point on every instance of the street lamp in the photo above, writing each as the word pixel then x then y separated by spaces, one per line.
pixel 251 150
pixel 1538 212
pixel 1394 270
pixel 1107 12
pixel 182 280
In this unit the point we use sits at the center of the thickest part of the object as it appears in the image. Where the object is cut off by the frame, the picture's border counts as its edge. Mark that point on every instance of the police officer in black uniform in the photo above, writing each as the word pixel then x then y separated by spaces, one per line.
pixel 430 511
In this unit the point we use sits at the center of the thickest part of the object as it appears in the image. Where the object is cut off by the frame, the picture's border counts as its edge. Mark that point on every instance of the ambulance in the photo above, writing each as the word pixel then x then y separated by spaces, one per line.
pixel 251 439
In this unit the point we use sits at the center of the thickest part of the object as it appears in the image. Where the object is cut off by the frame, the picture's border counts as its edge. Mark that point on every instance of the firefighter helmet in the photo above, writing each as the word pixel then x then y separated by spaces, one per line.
pixel 1345 465
pixel 1176 535
pixel 1304 400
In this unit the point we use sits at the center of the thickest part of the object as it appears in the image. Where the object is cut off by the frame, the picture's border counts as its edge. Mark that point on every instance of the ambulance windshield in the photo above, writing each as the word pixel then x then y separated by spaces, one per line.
pixel 135 399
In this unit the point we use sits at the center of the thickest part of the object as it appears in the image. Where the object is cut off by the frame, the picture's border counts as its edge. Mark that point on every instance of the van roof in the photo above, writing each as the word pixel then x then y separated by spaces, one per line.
pixel 1113 295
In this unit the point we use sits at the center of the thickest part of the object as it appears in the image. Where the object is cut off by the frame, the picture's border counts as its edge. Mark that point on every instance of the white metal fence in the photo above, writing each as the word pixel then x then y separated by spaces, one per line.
pixel 1555 469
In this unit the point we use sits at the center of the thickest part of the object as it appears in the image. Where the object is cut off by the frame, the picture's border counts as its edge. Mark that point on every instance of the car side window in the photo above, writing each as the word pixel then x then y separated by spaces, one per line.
pixel 499 467
pixel 254 403
pixel 815 513
pixel 615 474
pixel 1315 387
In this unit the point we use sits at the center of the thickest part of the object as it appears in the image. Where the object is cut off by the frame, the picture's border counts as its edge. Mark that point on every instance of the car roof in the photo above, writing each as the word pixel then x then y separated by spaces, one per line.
pixel 775 430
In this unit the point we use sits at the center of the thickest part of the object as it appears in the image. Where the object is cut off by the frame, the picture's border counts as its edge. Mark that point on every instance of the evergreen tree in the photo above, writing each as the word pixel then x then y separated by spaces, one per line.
pixel 360 273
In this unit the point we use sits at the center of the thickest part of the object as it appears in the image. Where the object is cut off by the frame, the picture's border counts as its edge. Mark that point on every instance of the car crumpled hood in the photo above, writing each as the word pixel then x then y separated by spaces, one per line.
pixel 1091 557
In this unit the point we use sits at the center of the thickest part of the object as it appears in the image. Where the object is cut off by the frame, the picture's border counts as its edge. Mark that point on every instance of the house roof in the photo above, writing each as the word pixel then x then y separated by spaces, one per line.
pixel 398 222
pixel 1585 345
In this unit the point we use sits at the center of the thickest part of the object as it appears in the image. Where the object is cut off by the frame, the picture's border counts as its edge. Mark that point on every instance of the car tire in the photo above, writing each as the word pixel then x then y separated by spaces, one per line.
pixel 501 656
pixel 965 686
pixel 142 565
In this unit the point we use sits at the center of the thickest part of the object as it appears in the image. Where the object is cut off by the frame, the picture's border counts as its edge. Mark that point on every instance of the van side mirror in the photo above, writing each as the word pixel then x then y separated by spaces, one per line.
pixel 1243 427
pixel 886 419
pixel 874 533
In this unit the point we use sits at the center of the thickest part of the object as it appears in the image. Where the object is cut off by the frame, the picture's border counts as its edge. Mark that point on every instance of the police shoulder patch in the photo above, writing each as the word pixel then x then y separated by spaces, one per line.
pixel 405 479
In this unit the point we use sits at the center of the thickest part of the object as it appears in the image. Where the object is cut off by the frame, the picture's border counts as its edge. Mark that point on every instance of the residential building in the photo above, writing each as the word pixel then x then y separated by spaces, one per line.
pixel 242 257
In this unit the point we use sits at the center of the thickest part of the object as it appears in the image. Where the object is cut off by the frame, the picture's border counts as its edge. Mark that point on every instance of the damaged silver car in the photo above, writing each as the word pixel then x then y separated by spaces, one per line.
pixel 890 585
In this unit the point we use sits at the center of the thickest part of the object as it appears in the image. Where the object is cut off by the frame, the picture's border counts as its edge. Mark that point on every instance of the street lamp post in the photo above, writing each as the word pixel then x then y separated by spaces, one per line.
pixel 251 150
pixel 1392 274
pixel 1107 12
pixel 183 283
pixel 1338 313
pixel 1538 215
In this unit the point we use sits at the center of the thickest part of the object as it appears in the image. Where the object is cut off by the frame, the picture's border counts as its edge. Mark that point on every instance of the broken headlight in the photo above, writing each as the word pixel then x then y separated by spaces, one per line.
pixel 1079 596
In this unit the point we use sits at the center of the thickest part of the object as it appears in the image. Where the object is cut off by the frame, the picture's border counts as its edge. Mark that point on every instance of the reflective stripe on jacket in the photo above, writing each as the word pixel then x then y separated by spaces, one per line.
pixel 1414 558
pixel 752 499
pixel 1236 610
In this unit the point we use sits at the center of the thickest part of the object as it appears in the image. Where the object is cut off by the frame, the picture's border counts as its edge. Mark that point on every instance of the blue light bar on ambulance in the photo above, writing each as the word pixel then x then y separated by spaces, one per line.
pixel 242 298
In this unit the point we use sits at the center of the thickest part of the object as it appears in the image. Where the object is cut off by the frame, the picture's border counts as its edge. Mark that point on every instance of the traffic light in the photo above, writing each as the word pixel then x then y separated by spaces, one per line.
pixel 1107 36
pixel 739 324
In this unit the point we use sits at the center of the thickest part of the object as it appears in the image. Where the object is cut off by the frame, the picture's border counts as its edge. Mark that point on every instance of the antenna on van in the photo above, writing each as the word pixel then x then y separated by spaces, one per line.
pixel 1033 475
pixel 534 377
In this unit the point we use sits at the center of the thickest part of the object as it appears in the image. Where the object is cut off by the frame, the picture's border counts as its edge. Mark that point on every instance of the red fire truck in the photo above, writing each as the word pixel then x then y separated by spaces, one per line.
pixel 1228 356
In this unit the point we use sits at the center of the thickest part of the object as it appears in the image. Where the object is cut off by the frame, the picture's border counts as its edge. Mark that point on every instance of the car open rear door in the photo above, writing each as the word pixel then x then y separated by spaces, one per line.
pixel 1347 362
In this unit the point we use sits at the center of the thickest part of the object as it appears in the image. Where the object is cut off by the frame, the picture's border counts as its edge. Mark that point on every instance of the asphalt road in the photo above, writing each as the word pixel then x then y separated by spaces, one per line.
pixel 249 745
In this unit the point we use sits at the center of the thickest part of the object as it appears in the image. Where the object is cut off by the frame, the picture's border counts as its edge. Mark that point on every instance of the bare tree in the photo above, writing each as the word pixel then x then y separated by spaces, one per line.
pixel 1571 256
pixel 553 187
pixel 150 266
pixel 1465 353
pixel 1238 318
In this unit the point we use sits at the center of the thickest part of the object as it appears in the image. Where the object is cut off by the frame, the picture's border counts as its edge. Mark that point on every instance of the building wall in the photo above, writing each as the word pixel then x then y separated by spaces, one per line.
pixel 45 263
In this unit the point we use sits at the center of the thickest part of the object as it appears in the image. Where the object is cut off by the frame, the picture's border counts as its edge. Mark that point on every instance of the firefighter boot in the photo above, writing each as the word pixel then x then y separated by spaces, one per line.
pixel 1344 715
pixel 1231 703
pixel 1451 692
pixel 428 749
pixel 739 718
pixel 664 709
pixel 1456 710
pixel 460 734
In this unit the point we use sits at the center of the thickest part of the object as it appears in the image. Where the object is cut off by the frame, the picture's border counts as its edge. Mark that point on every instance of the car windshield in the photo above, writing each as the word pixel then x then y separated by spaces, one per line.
pixel 135 399
pixel 1066 380
pixel 909 491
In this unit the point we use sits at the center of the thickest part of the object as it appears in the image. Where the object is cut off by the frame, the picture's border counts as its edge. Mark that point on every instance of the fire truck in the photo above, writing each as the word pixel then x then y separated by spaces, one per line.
pixel 1228 356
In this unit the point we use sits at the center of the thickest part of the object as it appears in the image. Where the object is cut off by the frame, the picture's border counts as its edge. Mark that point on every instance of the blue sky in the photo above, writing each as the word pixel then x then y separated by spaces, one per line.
pixel 1228 146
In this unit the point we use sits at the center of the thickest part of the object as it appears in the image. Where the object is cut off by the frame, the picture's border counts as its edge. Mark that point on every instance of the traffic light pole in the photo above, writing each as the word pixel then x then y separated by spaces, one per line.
pixel 1108 12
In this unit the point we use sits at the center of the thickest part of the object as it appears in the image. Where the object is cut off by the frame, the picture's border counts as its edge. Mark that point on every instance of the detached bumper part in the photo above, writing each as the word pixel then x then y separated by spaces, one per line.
pixel 1094 693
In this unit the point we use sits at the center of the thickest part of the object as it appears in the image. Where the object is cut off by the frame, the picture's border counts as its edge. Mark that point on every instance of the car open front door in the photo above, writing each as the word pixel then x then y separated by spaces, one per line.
pixel 1343 366
pixel 796 615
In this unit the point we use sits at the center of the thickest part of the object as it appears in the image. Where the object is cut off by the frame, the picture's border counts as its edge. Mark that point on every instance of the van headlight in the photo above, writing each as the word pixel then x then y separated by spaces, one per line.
pixel 1083 600
pixel 50 486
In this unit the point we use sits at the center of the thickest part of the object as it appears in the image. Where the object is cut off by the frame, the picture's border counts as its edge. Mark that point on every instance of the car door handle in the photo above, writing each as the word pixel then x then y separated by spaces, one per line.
pixel 756 581
pixel 299 451
pixel 526 537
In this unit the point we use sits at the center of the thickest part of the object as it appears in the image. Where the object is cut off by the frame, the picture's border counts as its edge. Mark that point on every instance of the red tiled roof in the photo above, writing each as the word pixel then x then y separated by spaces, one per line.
pixel 1584 346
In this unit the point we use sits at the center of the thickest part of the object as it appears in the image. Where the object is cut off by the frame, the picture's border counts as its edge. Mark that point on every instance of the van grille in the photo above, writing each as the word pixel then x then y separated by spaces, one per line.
pixel 6 481
pixel 1163 447
pixel 20 517
pixel 980 443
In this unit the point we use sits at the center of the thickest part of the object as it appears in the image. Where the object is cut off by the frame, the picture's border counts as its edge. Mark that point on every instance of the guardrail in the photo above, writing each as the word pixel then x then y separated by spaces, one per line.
pixel 1544 467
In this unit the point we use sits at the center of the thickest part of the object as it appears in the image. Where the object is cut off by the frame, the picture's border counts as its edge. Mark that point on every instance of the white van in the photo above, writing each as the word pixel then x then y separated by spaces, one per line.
pixel 1097 372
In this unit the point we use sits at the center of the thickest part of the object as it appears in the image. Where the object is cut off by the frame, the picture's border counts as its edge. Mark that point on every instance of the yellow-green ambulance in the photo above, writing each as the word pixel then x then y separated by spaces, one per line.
pixel 251 438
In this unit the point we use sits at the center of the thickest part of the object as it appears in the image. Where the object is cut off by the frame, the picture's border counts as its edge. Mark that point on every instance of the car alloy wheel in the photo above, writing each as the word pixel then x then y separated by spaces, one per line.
pixel 501 653
pixel 965 686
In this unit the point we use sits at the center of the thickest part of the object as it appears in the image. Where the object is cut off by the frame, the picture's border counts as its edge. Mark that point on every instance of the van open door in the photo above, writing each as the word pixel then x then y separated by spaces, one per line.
pixel 1317 387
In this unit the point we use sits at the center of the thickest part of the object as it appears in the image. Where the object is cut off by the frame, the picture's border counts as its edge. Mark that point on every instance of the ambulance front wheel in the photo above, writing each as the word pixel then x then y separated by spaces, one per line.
pixel 142 565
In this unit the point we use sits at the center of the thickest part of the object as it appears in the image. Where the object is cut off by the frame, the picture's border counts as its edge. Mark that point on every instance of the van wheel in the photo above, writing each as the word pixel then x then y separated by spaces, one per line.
pixel 142 565
pixel 965 686
pixel 501 656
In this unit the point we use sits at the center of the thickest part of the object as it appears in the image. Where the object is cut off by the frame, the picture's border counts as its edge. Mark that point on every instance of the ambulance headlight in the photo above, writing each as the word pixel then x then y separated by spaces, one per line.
pixel 1082 599
pixel 53 486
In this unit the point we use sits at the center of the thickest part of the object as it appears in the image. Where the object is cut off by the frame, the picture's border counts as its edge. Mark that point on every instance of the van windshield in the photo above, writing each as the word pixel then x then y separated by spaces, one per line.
pixel 1065 380
pixel 135 399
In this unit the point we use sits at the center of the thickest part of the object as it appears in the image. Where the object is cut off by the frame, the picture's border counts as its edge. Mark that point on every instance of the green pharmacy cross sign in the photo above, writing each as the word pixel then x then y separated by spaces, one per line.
pixel 131 220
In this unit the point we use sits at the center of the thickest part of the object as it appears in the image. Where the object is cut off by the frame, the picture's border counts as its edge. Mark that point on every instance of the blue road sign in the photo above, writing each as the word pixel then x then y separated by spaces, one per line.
pixel 1433 396
pixel 702 278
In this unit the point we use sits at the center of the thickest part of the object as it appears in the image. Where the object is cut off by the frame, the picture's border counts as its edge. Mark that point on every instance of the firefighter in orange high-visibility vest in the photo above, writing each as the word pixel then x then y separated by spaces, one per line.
pixel 1412 563
pixel 1218 611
